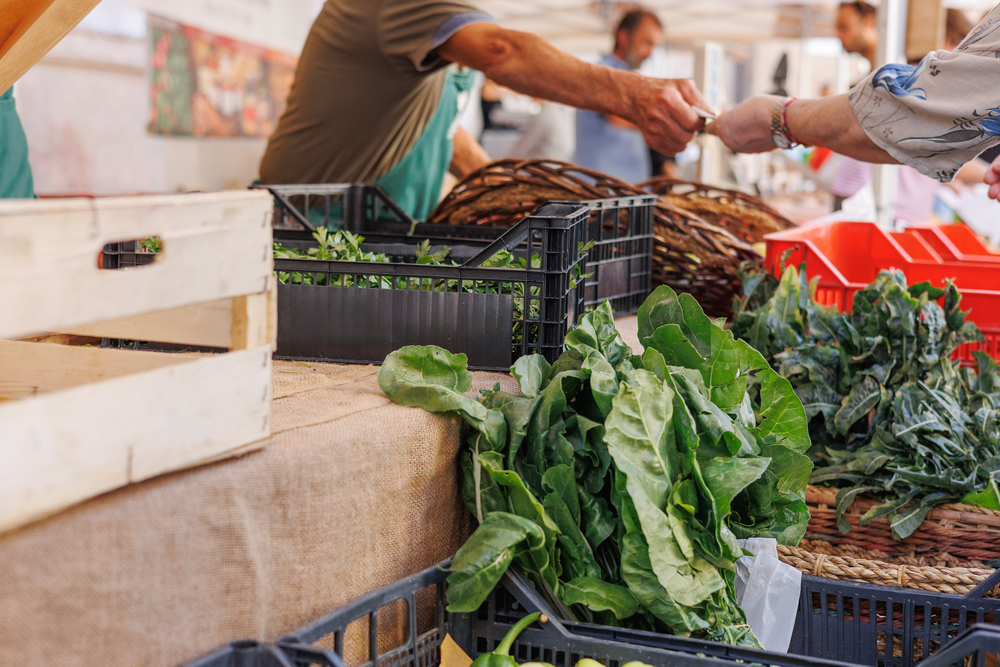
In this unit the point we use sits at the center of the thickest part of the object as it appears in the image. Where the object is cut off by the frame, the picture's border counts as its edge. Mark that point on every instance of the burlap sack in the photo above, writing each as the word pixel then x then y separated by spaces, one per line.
pixel 354 493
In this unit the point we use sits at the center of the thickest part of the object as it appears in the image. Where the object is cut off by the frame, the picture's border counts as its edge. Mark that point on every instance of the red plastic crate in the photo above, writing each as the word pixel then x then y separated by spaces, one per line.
pixel 847 256
pixel 954 243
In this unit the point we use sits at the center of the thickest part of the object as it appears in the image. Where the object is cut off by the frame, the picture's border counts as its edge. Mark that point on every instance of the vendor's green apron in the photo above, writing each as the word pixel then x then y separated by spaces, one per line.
pixel 15 174
pixel 415 182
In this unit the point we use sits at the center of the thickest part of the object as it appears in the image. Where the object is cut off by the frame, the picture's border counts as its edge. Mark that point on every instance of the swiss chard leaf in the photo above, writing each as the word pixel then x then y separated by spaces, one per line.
pixel 482 560
pixel 598 595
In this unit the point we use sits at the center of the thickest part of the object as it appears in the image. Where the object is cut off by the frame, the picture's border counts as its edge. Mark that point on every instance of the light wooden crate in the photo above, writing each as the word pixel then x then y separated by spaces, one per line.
pixel 76 422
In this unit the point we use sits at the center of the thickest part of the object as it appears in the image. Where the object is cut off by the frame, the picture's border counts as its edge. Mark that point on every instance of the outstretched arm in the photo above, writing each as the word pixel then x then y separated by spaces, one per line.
pixel 827 122
pixel 660 108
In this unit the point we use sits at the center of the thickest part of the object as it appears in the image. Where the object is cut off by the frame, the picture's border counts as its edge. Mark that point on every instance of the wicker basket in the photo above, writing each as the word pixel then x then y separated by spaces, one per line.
pixel 948 576
pixel 968 533
pixel 702 234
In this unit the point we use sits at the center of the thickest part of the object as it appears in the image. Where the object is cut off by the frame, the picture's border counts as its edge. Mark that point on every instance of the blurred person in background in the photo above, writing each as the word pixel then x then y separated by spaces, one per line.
pixel 550 134
pixel 934 117
pixel 856 29
pixel 857 32
pixel 607 143
pixel 375 101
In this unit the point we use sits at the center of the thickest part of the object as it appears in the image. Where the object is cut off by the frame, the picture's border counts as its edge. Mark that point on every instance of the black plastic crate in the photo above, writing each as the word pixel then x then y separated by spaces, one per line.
pixel 620 263
pixel 359 312
pixel 622 257
pixel 834 621
pixel 355 208
pixel 419 599
pixel 244 653
pixel 884 626
pixel 124 255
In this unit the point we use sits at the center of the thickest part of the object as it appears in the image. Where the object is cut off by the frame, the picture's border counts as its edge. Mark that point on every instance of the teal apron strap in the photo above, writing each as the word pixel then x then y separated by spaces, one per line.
pixel 15 172
pixel 415 182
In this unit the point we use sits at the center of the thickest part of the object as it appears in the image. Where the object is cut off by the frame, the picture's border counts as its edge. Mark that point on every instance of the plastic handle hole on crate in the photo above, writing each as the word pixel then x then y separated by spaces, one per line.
pixel 132 254
pixel 243 644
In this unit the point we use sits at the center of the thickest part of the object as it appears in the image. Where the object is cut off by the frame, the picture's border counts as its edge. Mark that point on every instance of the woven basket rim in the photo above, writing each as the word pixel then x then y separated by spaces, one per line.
pixel 929 578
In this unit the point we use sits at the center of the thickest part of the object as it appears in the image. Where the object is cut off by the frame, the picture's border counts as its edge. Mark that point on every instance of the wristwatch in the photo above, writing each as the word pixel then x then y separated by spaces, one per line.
pixel 779 130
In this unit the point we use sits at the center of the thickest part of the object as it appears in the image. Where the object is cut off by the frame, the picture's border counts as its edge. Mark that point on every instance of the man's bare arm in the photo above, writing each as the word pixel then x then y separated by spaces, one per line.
pixel 528 64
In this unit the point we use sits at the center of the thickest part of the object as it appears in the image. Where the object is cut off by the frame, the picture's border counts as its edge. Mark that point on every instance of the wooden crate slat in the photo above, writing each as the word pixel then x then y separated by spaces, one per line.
pixel 215 246
pixel 67 446
pixel 28 369
pixel 76 422
pixel 239 323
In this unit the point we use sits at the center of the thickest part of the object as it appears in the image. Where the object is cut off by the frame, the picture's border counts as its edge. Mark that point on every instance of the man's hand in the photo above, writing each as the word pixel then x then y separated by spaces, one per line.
pixel 528 64
pixel 665 116
pixel 747 127
pixel 992 178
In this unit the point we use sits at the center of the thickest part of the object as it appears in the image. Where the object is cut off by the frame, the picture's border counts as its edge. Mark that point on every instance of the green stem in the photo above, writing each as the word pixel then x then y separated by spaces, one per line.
pixel 508 641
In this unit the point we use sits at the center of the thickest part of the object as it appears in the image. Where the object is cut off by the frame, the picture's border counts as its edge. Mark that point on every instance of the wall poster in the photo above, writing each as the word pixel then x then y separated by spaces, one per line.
pixel 204 85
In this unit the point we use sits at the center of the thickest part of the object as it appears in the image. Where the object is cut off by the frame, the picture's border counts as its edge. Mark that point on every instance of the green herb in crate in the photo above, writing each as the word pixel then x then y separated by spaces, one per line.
pixel 345 246
pixel 619 484
pixel 891 416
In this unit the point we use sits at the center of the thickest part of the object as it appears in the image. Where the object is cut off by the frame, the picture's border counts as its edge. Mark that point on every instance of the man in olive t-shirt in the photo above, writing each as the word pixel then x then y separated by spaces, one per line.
pixel 373 101
pixel 366 86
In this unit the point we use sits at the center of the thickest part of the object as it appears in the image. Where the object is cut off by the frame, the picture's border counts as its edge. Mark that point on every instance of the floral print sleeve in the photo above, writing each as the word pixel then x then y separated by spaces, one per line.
pixel 937 115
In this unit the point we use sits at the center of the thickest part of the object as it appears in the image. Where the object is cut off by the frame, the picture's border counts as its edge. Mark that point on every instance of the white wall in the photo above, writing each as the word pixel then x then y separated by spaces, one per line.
pixel 85 107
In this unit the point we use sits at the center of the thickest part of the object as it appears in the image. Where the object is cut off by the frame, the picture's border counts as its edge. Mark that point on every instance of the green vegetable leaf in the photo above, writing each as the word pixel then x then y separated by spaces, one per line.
pixel 862 400
pixel 598 595
pixel 482 560
pixel 531 372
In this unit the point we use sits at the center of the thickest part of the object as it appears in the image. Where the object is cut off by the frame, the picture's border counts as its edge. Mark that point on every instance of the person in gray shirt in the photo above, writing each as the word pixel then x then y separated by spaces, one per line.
pixel 609 144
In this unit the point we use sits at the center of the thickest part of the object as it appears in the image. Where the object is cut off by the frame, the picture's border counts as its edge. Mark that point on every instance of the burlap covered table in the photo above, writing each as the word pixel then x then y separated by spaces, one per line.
pixel 354 493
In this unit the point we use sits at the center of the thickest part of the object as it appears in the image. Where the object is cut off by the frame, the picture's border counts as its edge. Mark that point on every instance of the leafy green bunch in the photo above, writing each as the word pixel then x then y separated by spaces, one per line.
pixel 330 245
pixel 619 484
pixel 890 414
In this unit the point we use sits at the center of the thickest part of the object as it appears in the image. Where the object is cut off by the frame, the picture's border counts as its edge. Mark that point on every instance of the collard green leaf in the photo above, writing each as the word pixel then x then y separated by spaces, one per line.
pixel 591 454
pixel 596 332
pixel 435 380
pixel 642 445
pixel 782 418
pixel 562 481
pixel 598 595
pixel 577 556
pixel 664 307
pixel 692 340
pixel 603 382
pixel 637 571
pixel 490 496
pixel 531 371
pixel 482 560
pixel 596 519
pixel 520 499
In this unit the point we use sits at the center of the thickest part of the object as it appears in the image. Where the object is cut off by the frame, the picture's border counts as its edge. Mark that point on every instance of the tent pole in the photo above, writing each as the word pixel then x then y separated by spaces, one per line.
pixel 891 45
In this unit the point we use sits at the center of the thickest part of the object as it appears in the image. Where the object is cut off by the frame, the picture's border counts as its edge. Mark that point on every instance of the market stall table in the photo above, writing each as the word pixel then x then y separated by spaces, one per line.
pixel 354 492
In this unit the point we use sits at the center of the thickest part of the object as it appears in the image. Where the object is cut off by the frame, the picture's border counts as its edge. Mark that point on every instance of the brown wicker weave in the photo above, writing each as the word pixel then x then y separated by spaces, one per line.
pixel 702 234
pixel 953 580
pixel 963 531
pixel 744 216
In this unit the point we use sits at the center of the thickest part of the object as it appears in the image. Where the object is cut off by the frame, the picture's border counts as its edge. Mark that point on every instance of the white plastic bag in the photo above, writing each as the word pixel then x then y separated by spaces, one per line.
pixel 768 591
